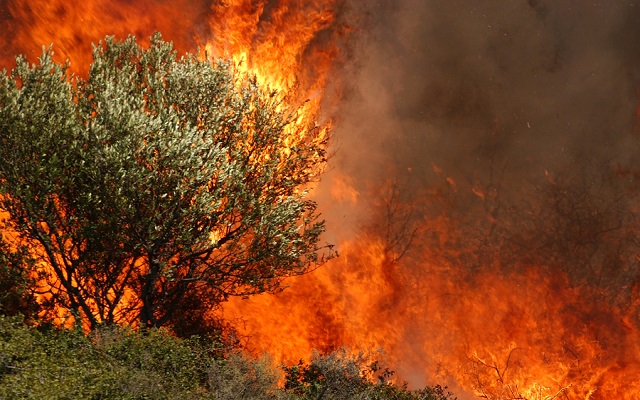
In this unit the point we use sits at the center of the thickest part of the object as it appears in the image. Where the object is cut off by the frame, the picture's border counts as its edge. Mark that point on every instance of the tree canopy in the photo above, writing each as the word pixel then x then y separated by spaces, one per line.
pixel 152 181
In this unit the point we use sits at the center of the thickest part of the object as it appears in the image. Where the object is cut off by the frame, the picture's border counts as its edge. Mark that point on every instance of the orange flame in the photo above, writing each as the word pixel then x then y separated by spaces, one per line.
pixel 525 334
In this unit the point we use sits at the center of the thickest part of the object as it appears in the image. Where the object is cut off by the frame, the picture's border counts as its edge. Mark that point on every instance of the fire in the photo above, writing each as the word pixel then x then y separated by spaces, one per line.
pixel 275 41
pixel 281 45
pixel 524 333
pixel 405 285
pixel 73 27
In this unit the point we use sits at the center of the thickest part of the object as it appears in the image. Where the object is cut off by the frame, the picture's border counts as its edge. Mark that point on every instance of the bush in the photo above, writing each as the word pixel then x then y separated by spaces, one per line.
pixel 111 363
pixel 238 377
pixel 119 363
pixel 339 376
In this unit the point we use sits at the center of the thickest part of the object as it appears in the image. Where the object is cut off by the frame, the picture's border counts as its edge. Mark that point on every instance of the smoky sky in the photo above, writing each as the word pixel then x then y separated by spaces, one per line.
pixel 469 86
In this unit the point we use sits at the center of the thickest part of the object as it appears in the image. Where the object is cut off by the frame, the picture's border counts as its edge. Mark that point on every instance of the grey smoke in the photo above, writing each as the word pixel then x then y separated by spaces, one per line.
pixel 468 85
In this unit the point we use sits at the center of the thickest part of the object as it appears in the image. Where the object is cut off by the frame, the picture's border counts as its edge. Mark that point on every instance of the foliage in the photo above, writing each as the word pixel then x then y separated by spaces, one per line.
pixel 338 376
pixel 239 377
pixel 119 363
pixel 154 180
pixel 16 282
pixel 57 364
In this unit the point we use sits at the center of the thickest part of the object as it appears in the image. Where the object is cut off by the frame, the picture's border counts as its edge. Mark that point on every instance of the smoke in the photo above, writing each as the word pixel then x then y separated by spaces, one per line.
pixel 527 110
pixel 523 86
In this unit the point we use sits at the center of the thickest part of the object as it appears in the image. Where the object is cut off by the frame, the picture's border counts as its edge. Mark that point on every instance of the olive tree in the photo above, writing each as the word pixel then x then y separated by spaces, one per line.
pixel 153 179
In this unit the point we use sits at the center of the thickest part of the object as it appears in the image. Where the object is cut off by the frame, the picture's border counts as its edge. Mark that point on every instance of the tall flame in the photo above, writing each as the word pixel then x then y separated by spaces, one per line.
pixel 530 333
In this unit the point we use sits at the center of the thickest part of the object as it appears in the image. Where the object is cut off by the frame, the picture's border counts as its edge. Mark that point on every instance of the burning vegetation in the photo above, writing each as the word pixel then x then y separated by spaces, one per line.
pixel 483 194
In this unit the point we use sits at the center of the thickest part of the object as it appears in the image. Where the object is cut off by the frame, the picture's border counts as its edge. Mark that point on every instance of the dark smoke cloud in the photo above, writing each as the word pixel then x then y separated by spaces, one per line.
pixel 469 86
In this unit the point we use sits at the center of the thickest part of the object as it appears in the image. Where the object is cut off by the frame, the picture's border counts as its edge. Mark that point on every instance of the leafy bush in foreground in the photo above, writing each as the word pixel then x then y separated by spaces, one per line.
pixel 114 363
pixel 119 363
pixel 340 376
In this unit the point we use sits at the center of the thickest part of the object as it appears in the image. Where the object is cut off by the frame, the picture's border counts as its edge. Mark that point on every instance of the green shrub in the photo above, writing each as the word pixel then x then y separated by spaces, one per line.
pixel 340 376
pixel 112 363
pixel 120 363
pixel 238 377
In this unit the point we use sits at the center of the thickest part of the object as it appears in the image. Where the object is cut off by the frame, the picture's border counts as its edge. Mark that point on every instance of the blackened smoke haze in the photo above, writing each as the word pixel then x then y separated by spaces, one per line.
pixel 516 87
